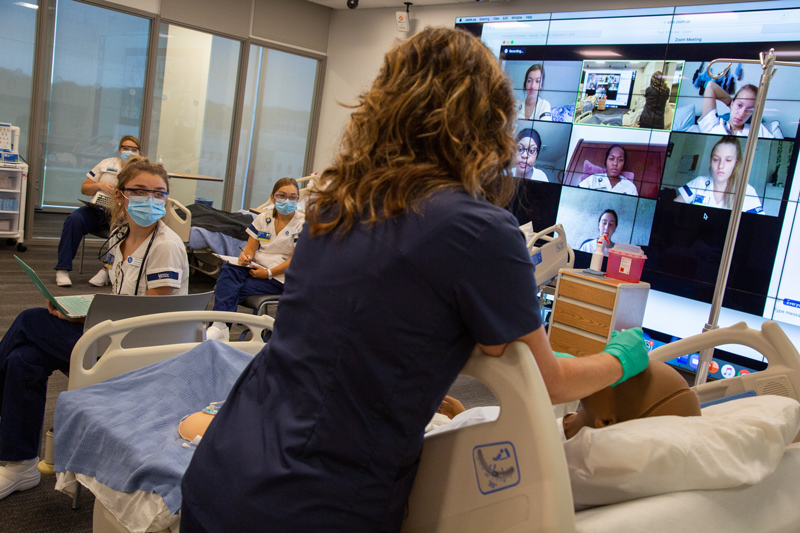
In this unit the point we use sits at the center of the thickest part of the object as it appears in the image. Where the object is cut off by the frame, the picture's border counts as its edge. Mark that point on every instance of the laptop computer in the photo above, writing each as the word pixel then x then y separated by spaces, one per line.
pixel 70 306
pixel 100 200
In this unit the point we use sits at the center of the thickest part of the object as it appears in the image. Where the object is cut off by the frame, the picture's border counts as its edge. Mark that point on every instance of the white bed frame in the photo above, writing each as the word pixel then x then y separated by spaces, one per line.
pixel 550 253
pixel 116 360
pixel 457 487
pixel 446 497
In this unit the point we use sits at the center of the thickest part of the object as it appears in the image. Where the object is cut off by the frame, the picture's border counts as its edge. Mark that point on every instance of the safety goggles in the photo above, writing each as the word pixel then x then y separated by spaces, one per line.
pixel 141 195
pixel 290 197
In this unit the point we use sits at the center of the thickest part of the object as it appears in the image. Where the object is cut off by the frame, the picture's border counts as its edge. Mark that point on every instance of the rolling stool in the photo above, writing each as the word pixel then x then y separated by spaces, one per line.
pixel 259 303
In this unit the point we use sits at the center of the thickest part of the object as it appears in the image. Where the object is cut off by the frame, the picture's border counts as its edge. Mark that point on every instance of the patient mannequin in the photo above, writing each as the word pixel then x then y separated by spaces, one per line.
pixel 194 425
pixel 658 391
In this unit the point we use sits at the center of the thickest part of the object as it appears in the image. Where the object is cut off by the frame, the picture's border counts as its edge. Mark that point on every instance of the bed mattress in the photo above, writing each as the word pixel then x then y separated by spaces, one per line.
pixel 768 507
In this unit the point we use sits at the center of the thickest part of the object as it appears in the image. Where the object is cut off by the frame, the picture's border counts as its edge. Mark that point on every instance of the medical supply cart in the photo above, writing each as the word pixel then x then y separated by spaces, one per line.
pixel 13 187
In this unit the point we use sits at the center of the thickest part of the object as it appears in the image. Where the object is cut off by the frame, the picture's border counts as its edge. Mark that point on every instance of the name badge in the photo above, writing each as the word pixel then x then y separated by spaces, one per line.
pixel 134 261
pixel 699 199
pixel 264 236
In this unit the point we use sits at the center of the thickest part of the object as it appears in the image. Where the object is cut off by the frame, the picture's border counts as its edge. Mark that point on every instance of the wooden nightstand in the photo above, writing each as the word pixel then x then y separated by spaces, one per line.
pixel 588 308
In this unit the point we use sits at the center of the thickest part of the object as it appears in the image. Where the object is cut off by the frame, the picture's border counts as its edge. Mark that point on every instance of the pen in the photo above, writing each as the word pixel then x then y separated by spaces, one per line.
pixel 245 254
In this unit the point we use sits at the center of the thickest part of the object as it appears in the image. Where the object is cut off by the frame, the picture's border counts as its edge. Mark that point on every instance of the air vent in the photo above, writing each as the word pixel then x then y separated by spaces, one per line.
pixel 776 386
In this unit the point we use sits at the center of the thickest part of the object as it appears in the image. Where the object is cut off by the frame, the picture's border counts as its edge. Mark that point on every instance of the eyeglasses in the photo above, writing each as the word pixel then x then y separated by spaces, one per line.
pixel 158 195
pixel 530 151
pixel 130 148
pixel 283 196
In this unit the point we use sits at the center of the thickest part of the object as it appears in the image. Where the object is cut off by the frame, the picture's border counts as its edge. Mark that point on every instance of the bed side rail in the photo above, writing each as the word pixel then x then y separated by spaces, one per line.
pixel 506 475
pixel 117 360
pixel 551 256
pixel 782 376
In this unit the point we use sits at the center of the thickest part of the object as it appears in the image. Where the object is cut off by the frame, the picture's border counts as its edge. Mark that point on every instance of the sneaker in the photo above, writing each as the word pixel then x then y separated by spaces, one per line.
pixel 218 331
pixel 17 476
pixel 62 278
pixel 100 279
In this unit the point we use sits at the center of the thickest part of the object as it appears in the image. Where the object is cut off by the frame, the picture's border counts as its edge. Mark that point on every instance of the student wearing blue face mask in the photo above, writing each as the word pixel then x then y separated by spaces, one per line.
pixel 269 250
pixel 145 257
pixel 101 180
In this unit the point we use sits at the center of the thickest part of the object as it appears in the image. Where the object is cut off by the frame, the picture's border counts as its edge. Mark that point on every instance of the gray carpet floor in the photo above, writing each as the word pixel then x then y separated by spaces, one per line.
pixel 43 509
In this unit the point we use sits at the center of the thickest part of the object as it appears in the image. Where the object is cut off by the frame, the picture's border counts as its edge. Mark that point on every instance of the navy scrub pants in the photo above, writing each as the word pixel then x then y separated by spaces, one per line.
pixel 234 284
pixel 36 344
pixel 81 222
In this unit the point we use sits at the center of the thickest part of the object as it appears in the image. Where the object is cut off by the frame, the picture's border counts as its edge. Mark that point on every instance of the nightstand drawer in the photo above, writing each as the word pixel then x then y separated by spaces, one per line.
pixel 563 340
pixel 587 293
pixel 595 320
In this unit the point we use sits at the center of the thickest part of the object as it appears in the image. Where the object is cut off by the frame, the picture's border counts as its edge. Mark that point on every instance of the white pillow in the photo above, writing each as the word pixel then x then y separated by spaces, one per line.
pixel 734 443
pixel 775 129
pixel 684 118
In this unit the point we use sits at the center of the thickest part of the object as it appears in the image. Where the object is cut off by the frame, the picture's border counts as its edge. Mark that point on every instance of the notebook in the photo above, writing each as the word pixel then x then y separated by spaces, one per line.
pixel 234 260
pixel 70 306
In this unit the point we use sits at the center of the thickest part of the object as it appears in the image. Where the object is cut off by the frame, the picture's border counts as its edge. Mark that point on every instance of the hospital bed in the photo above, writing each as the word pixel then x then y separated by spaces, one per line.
pixel 510 474
pixel 550 253
pixel 459 489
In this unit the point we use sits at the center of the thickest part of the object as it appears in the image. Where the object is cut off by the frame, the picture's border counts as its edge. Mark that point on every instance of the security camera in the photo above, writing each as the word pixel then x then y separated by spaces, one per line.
pixel 352 4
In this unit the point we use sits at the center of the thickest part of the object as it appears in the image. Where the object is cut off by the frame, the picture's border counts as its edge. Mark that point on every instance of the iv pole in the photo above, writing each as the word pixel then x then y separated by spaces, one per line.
pixel 767 62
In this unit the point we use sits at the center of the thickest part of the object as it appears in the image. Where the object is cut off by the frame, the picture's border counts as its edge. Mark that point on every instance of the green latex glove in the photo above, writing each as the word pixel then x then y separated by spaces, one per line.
pixel 563 355
pixel 629 347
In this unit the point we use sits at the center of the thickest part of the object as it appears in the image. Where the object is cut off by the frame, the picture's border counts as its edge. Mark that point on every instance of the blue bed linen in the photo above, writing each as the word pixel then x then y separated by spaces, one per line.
pixel 219 243
pixel 124 431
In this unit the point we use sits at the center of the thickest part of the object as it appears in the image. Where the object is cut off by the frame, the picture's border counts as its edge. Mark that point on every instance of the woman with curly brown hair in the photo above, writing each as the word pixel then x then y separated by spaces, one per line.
pixel 656 97
pixel 405 263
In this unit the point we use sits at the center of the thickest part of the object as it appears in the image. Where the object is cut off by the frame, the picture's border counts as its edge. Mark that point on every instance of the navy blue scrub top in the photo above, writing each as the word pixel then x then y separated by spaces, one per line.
pixel 323 431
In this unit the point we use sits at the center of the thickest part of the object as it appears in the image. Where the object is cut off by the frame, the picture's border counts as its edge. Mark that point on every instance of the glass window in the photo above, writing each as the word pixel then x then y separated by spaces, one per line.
pixel 276 121
pixel 17 33
pixel 96 91
pixel 193 104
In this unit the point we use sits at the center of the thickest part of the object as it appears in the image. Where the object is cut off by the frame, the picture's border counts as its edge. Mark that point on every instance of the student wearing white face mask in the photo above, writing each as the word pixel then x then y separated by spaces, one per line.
pixel 84 220
pixel 146 257
pixel 265 258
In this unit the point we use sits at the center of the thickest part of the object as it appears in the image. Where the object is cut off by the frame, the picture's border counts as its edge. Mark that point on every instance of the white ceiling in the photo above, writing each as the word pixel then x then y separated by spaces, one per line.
pixel 371 4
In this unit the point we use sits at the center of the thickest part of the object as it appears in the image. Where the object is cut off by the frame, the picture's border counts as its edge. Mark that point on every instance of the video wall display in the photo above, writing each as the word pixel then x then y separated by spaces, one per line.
pixel 622 130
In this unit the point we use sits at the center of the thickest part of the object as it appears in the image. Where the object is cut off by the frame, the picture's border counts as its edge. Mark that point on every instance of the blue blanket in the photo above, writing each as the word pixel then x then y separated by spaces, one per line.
pixel 200 238
pixel 124 431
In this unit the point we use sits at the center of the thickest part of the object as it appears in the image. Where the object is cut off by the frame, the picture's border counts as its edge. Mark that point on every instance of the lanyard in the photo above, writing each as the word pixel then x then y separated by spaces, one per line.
pixel 141 265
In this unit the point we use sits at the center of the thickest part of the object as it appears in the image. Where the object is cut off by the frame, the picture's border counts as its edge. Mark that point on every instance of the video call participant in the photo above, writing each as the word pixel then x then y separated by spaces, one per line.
pixel 655 97
pixel 718 189
pixel 741 109
pixel 591 87
pixel 607 225
pixel 528 145
pixel 612 180
pixel 533 107
pixel 147 258
pixel 385 299
pixel 613 83
pixel 84 220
